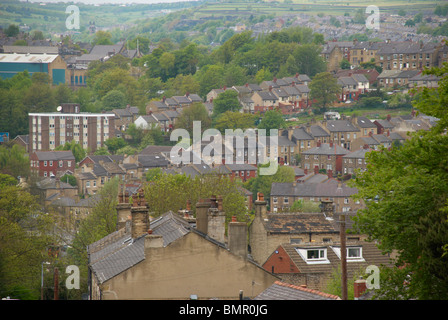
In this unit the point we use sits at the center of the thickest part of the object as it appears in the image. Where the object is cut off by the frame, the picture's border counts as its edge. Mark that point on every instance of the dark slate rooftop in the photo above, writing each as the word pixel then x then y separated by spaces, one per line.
pixel 299 223
pixel 54 155
pixel 341 126
pixel 326 149
pixel 326 188
pixel 365 122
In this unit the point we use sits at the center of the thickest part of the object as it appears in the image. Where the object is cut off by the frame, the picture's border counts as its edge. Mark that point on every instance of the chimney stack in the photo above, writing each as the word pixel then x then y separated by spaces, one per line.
pixel 237 233
pixel 360 287
pixel 260 207
pixel 140 221
pixel 201 215
pixel 216 220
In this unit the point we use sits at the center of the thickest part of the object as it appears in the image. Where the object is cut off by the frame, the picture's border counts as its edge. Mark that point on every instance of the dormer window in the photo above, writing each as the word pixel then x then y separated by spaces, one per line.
pixel 316 255
pixel 354 253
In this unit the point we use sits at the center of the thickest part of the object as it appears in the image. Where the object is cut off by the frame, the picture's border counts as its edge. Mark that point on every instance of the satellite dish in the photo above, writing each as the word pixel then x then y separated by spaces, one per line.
pixel 59 108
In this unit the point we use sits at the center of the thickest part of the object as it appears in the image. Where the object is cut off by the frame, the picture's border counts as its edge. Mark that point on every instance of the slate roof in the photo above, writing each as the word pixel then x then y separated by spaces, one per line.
pixel 154 161
pixel 347 81
pixel 117 252
pixel 303 88
pixel 155 150
pixel 370 253
pixel 267 95
pixel 54 155
pixel 358 154
pixel 285 291
pixel 365 122
pixel 160 116
pixel 299 223
pixel 318 131
pixel 301 134
pixel 327 188
pixel 385 123
pixel 241 167
pixel 284 141
pixel 50 183
pixel 325 149
pixel 341 126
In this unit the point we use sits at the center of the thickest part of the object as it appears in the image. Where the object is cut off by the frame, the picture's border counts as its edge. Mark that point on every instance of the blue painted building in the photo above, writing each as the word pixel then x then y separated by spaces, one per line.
pixel 52 64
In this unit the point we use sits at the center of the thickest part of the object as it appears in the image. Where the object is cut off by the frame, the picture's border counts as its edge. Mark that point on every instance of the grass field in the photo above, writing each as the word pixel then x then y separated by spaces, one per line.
pixel 313 7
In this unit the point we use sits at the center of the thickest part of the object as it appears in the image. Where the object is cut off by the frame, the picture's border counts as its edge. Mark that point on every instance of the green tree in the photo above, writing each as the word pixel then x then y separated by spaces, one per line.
pixel 114 99
pixel 324 89
pixel 210 77
pixel 114 144
pixel 26 234
pixel 226 101
pixel 78 152
pixel 70 179
pixel 14 161
pixel 272 119
pixel 405 191
pixel 12 30
pixel 195 112
pixel 263 75
pixel 234 120
pixel 345 64
pixel 170 192
pixel 309 60
pixel 102 38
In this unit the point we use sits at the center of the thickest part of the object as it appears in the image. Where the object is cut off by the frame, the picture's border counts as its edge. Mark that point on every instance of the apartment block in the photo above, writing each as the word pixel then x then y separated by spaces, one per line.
pixel 51 129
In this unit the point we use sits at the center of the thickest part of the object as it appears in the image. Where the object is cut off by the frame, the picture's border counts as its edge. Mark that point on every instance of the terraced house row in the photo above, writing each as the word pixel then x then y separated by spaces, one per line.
pixel 389 55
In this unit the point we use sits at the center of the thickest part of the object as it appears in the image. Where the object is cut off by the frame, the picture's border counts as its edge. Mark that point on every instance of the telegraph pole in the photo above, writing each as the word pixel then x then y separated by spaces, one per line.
pixel 56 284
pixel 343 256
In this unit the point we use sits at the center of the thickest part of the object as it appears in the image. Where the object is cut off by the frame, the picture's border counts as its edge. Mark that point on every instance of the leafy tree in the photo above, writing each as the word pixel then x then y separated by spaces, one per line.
pixel 405 190
pixel 102 38
pixel 210 77
pixel 263 75
pixel 226 101
pixel 26 234
pixel 78 152
pixel 345 64
pixel 170 192
pixel 114 144
pixel 272 119
pixel 7 180
pixel 70 179
pixel 234 120
pixel 101 151
pixel 114 99
pixel 324 89
pixel 195 112
pixel 309 61
pixel 14 161
pixel 12 30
